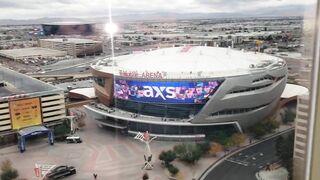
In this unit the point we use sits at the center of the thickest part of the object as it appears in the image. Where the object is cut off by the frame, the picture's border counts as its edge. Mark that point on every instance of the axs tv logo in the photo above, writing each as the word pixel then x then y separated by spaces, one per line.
pixel 159 92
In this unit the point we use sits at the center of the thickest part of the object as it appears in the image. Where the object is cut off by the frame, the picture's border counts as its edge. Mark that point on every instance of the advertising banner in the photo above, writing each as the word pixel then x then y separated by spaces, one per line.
pixel 166 92
pixel 25 113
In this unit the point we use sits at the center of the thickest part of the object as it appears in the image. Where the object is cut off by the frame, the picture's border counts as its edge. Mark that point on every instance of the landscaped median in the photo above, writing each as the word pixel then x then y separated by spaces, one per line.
pixel 235 150
pixel 183 160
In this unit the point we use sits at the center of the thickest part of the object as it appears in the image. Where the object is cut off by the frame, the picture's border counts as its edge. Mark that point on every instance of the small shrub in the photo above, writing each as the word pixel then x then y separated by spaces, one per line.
pixel 215 149
pixel 167 157
pixel 145 176
pixel 204 147
pixel 179 149
pixel 173 170
pixel 7 171
pixel 191 154
pixel 264 127
pixel 289 116
pixel 238 138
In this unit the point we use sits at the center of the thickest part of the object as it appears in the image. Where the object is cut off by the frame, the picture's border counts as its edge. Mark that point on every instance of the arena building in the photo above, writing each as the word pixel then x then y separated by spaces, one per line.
pixel 186 91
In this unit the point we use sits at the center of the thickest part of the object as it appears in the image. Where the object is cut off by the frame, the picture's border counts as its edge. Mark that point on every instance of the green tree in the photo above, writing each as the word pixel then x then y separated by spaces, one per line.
pixel 271 124
pixel 179 149
pixel 204 147
pixel 264 127
pixel 61 130
pixel 190 154
pixel 7 171
pixel 289 116
pixel 228 143
pixel 219 137
pixel 173 170
pixel 167 157
pixel 258 130
pixel 284 150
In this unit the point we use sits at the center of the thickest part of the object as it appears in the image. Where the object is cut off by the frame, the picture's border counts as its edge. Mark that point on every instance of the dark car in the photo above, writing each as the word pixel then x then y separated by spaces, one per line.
pixel 60 172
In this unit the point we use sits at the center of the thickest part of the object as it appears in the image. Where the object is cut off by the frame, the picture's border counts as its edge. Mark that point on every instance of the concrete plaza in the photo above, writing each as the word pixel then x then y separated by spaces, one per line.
pixel 103 151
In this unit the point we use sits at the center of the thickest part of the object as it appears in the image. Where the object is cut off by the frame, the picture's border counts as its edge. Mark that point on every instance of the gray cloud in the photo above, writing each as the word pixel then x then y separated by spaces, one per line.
pixel 254 5
pixel 9 4
pixel 26 9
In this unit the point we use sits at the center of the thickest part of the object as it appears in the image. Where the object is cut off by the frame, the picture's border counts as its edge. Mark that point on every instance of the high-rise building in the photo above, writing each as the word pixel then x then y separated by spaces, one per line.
pixel 302 121
pixel 301 137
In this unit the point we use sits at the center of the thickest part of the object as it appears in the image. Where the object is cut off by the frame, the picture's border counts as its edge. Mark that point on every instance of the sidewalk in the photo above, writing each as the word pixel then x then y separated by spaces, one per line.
pixel 109 155
pixel 31 145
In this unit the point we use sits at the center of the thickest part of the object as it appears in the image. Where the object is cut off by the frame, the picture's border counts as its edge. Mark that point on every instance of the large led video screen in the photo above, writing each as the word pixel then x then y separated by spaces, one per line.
pixel 79 29
pixel 165 92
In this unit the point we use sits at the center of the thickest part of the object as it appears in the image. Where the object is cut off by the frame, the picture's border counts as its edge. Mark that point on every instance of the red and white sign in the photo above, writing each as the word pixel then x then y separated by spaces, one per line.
pixel 41 170
pixel 146 136
pixel 37 171
pixel 145 75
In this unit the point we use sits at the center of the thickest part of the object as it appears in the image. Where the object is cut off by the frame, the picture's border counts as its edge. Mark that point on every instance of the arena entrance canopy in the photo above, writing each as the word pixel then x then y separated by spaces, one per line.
pixel 32 131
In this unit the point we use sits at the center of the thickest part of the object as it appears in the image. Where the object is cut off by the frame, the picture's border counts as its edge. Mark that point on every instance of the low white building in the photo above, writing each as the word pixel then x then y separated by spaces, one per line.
pixel 276 174
pixel 36 52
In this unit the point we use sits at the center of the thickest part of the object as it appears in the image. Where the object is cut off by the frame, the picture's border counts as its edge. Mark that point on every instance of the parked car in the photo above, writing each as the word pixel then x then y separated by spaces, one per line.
pixel 73 139
pixel 60 172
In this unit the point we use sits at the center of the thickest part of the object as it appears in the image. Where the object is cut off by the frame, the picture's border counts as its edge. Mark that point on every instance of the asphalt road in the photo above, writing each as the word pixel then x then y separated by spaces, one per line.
pixel 72 67
pixel 245 164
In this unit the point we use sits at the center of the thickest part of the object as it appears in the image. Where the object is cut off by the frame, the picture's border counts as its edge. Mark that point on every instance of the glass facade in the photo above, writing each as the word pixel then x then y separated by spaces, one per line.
pixel 179 130
pixel 100 81
pixel 159 110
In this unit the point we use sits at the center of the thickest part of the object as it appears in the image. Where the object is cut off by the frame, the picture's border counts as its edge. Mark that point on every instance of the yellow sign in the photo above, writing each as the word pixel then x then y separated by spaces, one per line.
pixel 25 113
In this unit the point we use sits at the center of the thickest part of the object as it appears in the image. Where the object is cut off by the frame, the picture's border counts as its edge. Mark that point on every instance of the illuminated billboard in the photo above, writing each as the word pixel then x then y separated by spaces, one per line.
pixel 68 29
pixel 166 92
pixel 25 113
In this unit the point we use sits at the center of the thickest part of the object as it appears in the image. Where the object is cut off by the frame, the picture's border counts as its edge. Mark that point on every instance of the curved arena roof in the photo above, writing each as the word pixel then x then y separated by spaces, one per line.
pixel 208 61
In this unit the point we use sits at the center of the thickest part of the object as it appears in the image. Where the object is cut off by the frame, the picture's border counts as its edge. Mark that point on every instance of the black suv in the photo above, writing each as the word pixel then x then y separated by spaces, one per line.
pixel 61 171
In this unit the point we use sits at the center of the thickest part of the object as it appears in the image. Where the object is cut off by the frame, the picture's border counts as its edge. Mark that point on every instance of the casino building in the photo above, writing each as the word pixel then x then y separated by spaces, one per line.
pixel 186 92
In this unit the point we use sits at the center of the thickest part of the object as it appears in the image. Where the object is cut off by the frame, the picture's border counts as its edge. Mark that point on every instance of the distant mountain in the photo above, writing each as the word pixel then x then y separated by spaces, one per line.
pixel 36 21
pixel 294 10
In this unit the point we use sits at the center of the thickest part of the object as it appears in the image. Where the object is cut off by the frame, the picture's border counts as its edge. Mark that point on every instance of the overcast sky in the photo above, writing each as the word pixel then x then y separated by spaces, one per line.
pixel 29 9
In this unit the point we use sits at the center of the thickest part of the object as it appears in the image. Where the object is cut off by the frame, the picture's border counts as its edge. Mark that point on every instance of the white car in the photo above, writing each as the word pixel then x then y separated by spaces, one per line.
pixel 73 139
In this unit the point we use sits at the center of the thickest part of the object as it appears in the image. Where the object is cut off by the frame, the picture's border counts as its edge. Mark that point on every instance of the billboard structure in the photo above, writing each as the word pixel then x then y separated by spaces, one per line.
pixel 65 28
pixel 25 113
pixel 196 92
